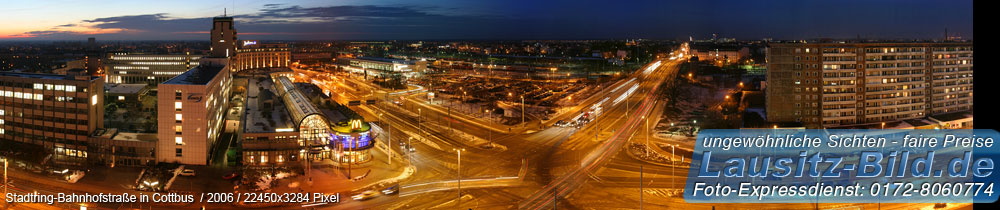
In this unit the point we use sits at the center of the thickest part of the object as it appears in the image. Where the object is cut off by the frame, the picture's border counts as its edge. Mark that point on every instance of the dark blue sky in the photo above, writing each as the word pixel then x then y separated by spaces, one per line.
pixel 511 19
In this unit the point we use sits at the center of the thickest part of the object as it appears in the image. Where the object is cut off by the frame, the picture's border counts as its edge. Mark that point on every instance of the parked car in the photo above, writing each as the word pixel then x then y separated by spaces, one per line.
pixel 365 195
pixel 187 172
pixel 231 175
pixel 75 176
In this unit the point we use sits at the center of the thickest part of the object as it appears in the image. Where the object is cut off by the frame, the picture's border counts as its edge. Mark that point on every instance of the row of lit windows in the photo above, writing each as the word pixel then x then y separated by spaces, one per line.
pixel 131 67
pixel 67 88
pixel 21 95
pixel 153 58
pixel 167 73
pixel 160 63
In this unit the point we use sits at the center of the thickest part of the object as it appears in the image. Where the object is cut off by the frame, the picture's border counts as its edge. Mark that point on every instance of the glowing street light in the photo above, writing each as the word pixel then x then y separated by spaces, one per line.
pixel 459 172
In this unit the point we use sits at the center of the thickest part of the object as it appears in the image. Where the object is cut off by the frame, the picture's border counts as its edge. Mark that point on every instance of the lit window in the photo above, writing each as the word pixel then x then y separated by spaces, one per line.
pixel 121 98
pixel 39 86
pixel 177 105
pixel 179 117
pixel 179 140
pixel 93 100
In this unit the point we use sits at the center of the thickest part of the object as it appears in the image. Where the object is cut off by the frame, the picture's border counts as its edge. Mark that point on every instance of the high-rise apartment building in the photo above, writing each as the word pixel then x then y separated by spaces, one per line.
pixel 845 84
pixel 223 37
pixel 152 69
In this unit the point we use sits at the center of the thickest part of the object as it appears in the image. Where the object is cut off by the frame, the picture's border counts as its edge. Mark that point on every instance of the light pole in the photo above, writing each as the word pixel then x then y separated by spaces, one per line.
pixel 420 118
pixel 647 136
pixel 672 168
pixel 490 121
pixel 5 160
pixel 459 175
pixel 450 128
pixel 523 123
pixel 388 136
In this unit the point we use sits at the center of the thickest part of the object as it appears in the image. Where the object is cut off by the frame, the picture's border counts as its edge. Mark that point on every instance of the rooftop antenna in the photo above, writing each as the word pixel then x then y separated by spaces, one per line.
pixel 946 38
pixel 223 12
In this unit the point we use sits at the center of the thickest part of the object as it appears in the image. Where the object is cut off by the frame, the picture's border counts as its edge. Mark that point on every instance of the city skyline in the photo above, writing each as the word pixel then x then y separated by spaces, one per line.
pixel 445 19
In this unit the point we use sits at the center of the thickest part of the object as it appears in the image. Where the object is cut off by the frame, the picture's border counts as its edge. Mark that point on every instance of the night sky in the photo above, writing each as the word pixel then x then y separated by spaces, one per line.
pixel 473 19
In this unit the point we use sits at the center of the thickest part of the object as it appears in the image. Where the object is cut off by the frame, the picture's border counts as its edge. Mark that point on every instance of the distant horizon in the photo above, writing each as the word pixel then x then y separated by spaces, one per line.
pixel 452 40
pixel 490 20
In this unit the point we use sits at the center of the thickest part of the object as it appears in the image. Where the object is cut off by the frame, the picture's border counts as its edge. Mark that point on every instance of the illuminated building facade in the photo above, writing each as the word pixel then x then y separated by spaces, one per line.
pixel 354 140
pixel 254 55
pixel 845 84
pixel 126 68
pixel 271 138
pixel 57 112
pixel 386 67
pixel 223 37
pixel 190 112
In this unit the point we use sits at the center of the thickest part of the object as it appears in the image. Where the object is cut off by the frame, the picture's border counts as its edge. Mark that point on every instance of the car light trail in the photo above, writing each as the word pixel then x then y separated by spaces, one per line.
pixel 625 95
pixel 651 68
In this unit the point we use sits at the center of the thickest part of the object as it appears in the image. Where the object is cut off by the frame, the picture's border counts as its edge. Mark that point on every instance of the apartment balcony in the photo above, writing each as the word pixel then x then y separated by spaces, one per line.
pixel 846 117
pixel 840 54
pixel 836 102
pixel 840 62
pixel 838 110
pixel 839 94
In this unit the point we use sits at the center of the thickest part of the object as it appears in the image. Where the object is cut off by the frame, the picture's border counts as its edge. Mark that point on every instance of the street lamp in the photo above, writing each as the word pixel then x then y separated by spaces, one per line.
pixel 5 160
pixel 459 175
pixel 420 118
pixel 490 121
pixel 647 135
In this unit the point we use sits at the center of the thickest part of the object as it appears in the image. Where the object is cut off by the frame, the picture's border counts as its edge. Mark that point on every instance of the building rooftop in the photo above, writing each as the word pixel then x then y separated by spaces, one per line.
pixel 951 116
pixel 387 60
pixel 124 88
pixel 261 101
pixel 150 137
pixel 199 75
pixel 45 76
pixel 917 122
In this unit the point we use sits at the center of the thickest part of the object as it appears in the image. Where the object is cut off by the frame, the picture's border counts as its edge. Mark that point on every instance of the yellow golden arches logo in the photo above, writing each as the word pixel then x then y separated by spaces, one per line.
pixel 355 124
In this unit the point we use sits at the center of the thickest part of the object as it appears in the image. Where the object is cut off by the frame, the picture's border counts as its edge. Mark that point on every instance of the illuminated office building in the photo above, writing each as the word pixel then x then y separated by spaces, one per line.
pixel 190 112
pixel 56 112
pixel 152 69
pixel 223 37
